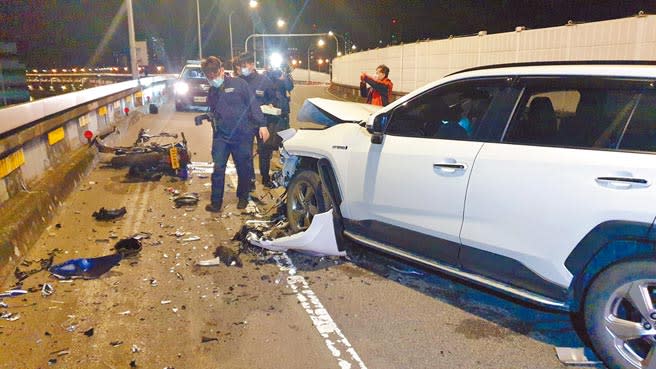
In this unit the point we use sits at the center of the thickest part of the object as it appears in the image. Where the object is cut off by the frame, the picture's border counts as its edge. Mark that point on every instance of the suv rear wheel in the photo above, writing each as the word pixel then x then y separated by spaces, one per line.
pixel 620 315
pixel 305 199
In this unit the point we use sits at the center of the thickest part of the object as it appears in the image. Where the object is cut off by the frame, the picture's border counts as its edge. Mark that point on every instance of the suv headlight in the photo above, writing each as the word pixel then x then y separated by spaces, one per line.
pixel 181 88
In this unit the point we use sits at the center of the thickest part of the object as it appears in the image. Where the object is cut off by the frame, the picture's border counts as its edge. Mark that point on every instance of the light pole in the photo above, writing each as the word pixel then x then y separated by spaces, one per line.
pixel 133 47
pixel 232 55
pixel 334 35
pixel 200 45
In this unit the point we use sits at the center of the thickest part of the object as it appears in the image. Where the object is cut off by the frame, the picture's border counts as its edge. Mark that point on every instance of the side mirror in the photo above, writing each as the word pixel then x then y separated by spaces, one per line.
pixel 378 128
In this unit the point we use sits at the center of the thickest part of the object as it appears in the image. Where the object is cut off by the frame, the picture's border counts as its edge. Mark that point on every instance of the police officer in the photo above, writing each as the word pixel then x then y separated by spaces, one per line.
pixel 282 87
pixel 262 89
pixel 237 117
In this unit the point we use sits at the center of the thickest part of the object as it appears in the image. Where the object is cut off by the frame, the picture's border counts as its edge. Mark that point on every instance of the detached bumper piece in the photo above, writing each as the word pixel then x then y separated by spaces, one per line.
pixel 318 239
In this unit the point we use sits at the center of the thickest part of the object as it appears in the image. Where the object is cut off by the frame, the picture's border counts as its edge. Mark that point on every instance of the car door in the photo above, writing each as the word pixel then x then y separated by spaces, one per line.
pixel 566 164
pixel 414 182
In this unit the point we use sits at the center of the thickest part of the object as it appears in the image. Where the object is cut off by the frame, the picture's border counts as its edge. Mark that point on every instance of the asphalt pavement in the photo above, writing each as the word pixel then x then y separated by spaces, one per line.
pixel 277 311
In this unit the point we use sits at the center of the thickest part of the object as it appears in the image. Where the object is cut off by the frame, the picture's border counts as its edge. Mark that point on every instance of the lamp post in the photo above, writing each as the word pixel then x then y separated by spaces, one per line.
pixel 232 54
pixel 334 35
pixel 133 47
pixel 200 45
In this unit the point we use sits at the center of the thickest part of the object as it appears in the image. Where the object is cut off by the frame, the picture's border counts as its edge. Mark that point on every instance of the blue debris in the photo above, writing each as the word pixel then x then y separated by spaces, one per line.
pixel 86 268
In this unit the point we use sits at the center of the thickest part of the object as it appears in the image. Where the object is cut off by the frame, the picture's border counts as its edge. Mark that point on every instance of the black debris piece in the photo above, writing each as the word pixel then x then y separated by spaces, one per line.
pixel 52 361
pixel 227 256
pixel 88 332
pixel 44 264
pixel 109 214
pixel 148 174
pixel 186 199
pixel 128 247
pixel 208 339
pixel 58 225
pixel 116 343
pixel 133 364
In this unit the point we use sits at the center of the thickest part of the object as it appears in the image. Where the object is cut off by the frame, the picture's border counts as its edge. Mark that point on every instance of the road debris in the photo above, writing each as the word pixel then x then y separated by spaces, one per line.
pixel 191 239
pixel 408 271
pixel 109 214
pixel 86 268
pixel 228 256
pixel 12 293
pixel 210 262
pixel 165 302
pixel 135 349
pixel 208 339
pixel 61 352
pixel 115 343
pixel 5 315
pixel 576 356
pixel 126 312
pixel 128 247
pixel 88 332
pixel 47 290
pixel 186 199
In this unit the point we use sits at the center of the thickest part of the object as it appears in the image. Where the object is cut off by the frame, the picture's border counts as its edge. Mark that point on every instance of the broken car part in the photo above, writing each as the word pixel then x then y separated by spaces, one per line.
pixel 186 199
pixel 317 239
pixel 86 268
pixel 12 293
pixel 109 214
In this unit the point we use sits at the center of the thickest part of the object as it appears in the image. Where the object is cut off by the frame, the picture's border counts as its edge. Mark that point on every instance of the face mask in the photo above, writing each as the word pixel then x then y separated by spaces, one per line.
pixel 245 72
pixel 217 82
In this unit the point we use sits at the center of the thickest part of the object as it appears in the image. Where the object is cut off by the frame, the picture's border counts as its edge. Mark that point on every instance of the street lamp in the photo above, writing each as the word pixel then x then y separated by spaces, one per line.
pixel 353 47
pixel 252 4
pixel 281 23
pixel 320 43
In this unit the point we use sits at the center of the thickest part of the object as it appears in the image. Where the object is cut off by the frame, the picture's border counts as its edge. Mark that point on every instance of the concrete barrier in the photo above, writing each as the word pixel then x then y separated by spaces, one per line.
pixel 44 155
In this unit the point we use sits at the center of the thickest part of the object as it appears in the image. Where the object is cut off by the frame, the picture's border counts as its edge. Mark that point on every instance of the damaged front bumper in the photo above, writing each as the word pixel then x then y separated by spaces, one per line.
pixel 318 239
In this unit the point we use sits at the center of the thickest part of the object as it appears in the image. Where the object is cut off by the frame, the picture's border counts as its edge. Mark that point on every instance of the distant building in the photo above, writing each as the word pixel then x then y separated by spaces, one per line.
pixel 13 87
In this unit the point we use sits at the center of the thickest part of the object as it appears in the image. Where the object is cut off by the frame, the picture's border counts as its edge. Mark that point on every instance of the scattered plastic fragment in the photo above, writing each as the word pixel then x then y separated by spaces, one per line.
pixel 61 352
pixel 115 343
pixel 12 293
pixel 179 276
pixel 11 317
pixel 88 332
pixel 190 239
pixel 128 247
pixel 87 268
pixel 133 364
pixel 175 310
pixel 3 305
pixel 47 290
pixel 576 356
pixel 186 199
pixel 208 339
pixel 135 349
pixel 153 282
pixel 210 262
pixel 126 312
pixel 165 302
pixel 71 328
pixel 109 214
pixel 141 235
pixel 52 361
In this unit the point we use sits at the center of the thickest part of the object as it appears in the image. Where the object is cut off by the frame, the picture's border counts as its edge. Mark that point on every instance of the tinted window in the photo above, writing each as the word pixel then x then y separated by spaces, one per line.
pixel 458 111
pixel 640 134
pixel 577 113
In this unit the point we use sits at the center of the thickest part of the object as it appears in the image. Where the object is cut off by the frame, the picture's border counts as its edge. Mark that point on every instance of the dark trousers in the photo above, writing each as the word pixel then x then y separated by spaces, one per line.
pixel 240 149
pixel 265 149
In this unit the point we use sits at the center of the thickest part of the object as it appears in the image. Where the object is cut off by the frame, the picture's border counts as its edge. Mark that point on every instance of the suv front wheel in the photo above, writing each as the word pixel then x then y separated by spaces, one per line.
pixel 305 199
pixel 620 315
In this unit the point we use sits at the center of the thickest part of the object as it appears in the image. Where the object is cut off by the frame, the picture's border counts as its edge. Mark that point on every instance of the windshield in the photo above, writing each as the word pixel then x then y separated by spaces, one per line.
pixel 192 72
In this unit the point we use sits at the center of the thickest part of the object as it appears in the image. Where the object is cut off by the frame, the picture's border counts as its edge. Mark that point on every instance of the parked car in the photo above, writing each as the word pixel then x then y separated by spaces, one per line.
pixel 191 87
pixel 535 180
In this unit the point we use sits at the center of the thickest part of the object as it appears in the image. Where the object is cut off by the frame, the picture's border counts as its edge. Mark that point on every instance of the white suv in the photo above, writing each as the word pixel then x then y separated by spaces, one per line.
pixel 535 180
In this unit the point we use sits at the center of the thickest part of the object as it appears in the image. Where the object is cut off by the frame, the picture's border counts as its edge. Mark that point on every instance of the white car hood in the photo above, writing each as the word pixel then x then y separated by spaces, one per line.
pixel 330 112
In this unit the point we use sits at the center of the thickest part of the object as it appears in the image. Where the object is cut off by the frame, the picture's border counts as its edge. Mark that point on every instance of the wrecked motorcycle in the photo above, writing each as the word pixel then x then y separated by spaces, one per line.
pixel 148 158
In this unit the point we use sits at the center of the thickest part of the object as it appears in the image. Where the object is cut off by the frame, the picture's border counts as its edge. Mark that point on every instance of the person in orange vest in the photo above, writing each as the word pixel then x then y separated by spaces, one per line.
pixel 380 90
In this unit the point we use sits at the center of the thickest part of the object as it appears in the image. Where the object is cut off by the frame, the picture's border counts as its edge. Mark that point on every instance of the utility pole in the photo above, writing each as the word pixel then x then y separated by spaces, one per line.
pixel 133 44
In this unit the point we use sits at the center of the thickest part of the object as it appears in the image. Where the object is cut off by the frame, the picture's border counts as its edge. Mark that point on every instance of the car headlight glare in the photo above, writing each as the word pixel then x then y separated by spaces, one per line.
pixel 181 88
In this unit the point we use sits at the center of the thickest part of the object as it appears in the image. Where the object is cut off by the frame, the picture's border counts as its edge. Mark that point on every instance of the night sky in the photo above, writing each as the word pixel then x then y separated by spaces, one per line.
pixel 65 33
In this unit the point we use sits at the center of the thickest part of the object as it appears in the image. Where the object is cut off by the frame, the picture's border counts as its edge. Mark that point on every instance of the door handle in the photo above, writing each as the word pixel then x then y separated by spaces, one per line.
pixel 623 182
pixel 449 167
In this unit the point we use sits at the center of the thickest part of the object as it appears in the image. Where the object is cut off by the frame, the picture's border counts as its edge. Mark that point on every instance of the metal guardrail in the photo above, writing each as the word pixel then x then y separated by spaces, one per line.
pixel 20 115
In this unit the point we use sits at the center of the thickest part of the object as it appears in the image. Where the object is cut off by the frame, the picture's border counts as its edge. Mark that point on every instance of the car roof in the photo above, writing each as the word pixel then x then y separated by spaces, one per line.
pixel 615 69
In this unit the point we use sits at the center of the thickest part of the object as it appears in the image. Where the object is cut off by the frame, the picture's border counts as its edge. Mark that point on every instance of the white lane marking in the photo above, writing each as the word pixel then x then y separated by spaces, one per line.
pixel 333 337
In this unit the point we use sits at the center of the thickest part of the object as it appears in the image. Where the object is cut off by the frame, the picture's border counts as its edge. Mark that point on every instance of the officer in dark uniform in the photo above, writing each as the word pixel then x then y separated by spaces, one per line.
pixel 262 88
pixel 237 117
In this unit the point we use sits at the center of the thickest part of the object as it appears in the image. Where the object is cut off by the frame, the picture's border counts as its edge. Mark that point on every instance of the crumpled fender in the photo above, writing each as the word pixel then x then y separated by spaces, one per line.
pixel 318 239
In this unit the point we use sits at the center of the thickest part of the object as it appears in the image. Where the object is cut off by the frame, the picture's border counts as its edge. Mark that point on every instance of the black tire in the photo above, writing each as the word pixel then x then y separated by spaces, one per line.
pixel 609 307
pixel 305 198
pixel 131 160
